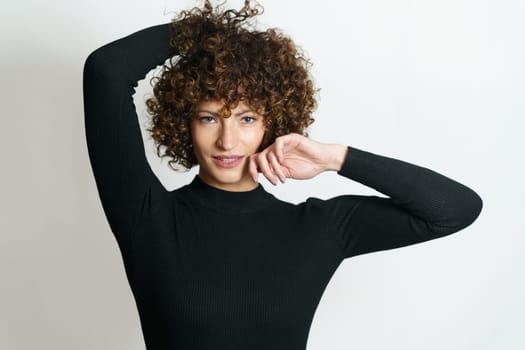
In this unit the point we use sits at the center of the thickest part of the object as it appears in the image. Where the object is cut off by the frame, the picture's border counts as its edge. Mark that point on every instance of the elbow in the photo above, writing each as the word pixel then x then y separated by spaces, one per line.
pixel 456 217
pixel 94 57
pixel 472 209
pixel 461 215
pixel 94 63
pixel 101 63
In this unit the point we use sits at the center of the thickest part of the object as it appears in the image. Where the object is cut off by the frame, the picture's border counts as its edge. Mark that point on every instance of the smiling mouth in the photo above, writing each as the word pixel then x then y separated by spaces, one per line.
pixel 227 158
pixel 227 161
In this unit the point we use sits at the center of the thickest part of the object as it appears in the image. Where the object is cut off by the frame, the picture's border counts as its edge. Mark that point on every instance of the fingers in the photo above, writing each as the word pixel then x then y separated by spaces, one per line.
pixel 276 166
pixel 270 161
pixel 262 163
pixel 268 164
pixel 252 168
pixel 279 145
pixel 286 143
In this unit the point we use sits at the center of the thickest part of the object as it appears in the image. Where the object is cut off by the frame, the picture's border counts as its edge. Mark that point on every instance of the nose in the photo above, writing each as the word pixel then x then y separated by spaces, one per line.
pixel 228 136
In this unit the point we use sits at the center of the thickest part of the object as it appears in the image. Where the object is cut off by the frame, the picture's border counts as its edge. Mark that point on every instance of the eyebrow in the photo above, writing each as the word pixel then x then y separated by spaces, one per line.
pixel 216 113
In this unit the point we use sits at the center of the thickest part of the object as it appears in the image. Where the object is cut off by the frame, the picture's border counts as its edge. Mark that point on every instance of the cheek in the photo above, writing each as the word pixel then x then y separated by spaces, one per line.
pixel 197 143
pixel 199 137
pixel 256 138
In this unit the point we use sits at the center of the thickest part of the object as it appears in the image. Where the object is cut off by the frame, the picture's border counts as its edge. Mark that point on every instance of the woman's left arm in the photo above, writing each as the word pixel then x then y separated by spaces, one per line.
pixel 423 204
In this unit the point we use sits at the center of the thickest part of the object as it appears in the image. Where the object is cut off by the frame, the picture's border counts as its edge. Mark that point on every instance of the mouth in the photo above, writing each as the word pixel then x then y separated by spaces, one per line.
pixel 227 161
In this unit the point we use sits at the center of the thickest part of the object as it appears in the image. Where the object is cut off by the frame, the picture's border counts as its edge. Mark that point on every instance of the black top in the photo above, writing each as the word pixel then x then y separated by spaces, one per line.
pixel 212 269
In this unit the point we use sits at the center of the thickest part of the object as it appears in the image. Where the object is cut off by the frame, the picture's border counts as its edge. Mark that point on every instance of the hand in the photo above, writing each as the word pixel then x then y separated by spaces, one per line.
pixel 296 156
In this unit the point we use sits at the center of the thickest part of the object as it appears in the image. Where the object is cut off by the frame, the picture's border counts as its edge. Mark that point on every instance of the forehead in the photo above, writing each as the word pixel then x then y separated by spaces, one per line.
pixel 217 106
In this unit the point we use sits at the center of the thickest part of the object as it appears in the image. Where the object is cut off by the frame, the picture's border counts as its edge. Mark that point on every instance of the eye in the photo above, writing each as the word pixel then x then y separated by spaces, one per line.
pixel 207 119
pixel 249 120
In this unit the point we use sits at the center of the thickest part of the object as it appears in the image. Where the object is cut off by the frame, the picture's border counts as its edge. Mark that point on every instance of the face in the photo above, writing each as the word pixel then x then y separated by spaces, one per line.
pixel 222 145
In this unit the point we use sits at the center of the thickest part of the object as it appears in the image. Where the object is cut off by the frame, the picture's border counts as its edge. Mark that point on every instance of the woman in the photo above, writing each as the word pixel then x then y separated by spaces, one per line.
pixel 220 263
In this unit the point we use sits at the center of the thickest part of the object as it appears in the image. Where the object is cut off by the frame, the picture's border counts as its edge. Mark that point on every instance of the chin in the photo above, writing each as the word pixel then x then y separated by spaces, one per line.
pixel 228 178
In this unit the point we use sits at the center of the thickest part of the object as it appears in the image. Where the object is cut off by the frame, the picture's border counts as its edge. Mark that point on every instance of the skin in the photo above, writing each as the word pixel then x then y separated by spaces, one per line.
pixel 240 133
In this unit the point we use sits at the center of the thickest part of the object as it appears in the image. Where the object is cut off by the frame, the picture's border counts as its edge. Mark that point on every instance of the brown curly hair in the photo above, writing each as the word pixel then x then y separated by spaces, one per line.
pixel 219 57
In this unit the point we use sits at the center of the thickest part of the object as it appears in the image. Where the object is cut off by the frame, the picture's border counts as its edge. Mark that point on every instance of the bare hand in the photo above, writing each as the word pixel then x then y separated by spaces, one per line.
pixel 295 156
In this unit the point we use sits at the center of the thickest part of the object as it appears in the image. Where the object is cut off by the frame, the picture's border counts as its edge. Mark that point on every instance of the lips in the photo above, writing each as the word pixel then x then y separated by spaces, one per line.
pixel 227 161
pixel 228 157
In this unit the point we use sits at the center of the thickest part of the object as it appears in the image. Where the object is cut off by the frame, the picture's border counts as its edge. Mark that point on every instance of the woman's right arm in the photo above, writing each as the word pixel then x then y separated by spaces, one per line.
pixel 127 187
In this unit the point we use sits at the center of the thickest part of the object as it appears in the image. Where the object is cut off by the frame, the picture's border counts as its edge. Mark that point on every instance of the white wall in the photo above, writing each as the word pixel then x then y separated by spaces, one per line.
pixel 437 83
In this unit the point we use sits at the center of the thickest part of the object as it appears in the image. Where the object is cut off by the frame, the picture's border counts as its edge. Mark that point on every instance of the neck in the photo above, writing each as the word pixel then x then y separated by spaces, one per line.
pixel 227 201
pixel 245 184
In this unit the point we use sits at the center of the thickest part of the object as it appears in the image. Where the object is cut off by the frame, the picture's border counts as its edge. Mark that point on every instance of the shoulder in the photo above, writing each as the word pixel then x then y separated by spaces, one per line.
pixel 347 201
pixel 315 208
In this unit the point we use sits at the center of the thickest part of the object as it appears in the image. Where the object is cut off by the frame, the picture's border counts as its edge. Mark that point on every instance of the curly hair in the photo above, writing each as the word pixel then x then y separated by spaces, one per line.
pixel 219 57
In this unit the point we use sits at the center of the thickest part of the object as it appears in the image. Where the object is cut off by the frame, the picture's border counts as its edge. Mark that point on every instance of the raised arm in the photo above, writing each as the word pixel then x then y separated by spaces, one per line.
pixel 127 187
pixel 423 205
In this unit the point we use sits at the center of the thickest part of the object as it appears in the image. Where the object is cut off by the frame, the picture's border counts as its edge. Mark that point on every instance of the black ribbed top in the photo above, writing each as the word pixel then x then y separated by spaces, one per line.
pixel 222 200
pixel 213 269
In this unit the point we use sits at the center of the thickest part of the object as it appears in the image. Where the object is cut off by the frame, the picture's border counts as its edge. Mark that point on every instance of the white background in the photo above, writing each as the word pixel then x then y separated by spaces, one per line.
pixel 437 83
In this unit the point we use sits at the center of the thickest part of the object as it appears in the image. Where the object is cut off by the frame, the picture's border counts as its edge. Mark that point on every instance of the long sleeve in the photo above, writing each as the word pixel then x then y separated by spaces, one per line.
pixel 422 205
pixel 126 184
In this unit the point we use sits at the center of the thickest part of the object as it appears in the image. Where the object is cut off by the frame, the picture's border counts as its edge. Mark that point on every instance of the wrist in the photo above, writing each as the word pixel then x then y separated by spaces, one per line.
pixel 337 155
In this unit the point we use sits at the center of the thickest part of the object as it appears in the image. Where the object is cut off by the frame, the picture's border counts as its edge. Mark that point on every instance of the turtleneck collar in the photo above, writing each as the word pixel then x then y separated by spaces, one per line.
pixel 222 200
